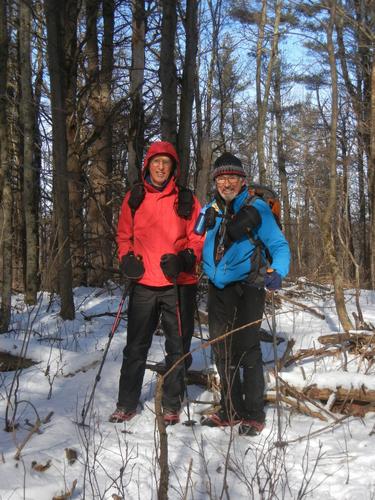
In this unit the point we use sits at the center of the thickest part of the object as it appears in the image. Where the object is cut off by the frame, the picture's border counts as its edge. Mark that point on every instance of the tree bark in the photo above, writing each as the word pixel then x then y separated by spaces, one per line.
pixel 55 40
pixel 358 99
pixel 167 72
pixel 136 119
pixel 262 102
pixel 30 176
pixel 371 177
pixel 74 164
pixel 330 208
pixel 5 180
pixel 187 91
pixel 99 216
pixel 204 147
pixel 280 150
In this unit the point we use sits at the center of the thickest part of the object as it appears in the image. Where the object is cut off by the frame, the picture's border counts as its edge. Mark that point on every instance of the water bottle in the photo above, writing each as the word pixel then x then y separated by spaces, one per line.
pixel 200 225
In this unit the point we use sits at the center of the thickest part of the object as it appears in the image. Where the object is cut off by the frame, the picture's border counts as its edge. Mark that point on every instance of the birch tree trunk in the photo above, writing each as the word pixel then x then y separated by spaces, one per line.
pixel 136 119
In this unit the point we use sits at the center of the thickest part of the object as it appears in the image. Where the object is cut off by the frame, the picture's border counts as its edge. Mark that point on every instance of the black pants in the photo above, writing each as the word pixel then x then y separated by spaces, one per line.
pixel 145 306
pixel 238 357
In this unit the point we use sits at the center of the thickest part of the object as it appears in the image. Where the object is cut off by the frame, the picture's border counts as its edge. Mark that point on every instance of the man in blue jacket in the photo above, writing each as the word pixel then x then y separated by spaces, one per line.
pixel 239 230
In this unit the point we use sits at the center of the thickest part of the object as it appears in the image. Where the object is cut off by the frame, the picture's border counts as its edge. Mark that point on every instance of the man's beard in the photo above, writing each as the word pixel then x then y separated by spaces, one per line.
pixel 228 197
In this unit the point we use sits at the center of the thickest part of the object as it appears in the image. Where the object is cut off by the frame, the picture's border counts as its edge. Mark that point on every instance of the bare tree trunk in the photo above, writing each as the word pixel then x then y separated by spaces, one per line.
pixel 167 72
pixel 329 209
pixel 258 85
pixel 358 99
pixel 136 119
pixel 371 176
pixel 204 149
pixel 95 178
pixel 187 92
pixel 99 216
pixel 281 161
pixel 55 41
pixel 345 225
pixel 262 103
pixel 5 180
pixel 30 176
pixel 74 164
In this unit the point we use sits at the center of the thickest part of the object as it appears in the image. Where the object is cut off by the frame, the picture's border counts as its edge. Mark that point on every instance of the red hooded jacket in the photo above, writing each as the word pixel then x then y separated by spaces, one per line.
pixel 156 228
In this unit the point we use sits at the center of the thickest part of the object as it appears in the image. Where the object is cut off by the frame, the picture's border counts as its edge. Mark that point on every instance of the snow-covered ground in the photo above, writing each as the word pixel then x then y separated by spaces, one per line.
pixel 317 459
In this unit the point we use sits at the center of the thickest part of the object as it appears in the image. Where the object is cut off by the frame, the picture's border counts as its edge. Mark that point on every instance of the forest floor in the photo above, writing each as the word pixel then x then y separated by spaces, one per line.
pixel 315 444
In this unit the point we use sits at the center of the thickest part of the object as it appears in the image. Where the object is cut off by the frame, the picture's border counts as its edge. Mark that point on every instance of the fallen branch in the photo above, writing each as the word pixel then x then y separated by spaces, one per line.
pixel 307 353
pixel 363 395
pixel 87 317
pixel 298 395
pixel 286 356
pixel 318 431
pixel 296 404
pixel 351 338
pixel 309 309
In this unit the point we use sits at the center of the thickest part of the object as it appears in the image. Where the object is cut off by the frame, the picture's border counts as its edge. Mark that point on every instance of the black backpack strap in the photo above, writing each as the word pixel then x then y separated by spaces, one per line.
pixel 185 202
pixel 136 197
pixel 258 267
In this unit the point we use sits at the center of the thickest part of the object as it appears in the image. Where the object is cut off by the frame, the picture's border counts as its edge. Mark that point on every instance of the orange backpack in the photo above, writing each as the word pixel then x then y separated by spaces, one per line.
pixel 268 195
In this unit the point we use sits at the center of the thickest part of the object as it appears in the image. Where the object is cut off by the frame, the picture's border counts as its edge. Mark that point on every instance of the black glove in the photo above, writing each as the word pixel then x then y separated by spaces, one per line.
pixel 172 265
pixel 188 259
pixel 272 280
pixel 246 219
pixel 132 267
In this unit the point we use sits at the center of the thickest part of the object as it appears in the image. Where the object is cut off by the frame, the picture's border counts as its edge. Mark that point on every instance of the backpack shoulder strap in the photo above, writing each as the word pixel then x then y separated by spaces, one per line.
pixel 185 202
pixel 137 195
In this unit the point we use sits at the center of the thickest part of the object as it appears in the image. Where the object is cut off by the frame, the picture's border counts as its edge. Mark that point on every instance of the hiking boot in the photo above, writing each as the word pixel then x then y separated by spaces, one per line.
pixel 250 428
pixel 121 415
pixel 219 419
pixel 171 417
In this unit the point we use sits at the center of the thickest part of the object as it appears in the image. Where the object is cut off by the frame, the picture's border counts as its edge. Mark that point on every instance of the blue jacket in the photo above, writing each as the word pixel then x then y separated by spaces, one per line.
pixel 235 264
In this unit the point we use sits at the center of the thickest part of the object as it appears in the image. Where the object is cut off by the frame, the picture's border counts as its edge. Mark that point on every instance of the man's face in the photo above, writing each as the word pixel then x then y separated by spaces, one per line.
pixel 229 186
pixel 160 168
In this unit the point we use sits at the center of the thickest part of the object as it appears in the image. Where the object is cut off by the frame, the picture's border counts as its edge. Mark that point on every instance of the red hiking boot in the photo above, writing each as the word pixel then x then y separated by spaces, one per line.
pixel 220 419
pixel 121 415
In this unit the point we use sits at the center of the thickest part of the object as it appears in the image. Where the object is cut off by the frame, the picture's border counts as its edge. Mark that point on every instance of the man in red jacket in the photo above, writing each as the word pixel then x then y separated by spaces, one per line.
pixel 158 251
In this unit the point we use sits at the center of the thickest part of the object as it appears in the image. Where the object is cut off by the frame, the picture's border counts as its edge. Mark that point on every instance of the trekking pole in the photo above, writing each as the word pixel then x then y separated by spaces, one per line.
pixel 279 441
pixel 201 334
pixel 189 422
pixel 85 409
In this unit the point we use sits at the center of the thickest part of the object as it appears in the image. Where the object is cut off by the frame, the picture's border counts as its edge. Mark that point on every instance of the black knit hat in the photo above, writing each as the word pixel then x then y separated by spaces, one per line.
pixel 228 164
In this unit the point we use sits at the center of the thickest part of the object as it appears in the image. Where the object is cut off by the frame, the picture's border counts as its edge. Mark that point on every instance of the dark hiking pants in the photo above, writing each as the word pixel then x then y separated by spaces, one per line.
pixel 146 304
pixel 238 357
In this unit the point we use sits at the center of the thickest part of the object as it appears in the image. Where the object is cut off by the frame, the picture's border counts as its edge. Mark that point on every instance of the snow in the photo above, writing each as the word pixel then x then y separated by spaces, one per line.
pixel 331 459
